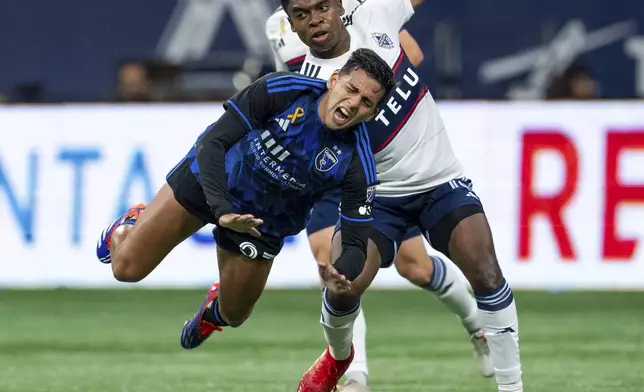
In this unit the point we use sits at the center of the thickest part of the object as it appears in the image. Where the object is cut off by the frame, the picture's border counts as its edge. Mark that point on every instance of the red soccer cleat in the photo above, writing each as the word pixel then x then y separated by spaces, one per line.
pixel 196 330
pixel 325 373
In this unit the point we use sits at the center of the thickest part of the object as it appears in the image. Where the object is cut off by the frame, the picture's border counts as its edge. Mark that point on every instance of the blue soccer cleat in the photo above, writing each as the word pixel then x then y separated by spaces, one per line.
pixel 196 330
pixel 104 242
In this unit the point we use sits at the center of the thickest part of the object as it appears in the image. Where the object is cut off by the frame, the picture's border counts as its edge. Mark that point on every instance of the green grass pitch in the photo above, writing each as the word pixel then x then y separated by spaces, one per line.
pixel 128 341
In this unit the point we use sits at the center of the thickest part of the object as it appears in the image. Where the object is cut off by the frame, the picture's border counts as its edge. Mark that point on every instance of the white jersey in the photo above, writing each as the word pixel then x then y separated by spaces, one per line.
pixel 412 149
pixel 288 50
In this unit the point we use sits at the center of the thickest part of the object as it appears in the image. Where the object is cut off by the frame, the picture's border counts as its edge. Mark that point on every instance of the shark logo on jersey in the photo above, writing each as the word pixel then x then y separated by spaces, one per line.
pixel 325 160
pixel 383 40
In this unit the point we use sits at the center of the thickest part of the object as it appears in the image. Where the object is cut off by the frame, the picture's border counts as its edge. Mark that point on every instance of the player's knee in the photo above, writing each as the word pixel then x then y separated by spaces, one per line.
pixel 125 267
pixel 126 271
pixel 125 276
pixel 417 269
pixel 487 273
pixel 119 235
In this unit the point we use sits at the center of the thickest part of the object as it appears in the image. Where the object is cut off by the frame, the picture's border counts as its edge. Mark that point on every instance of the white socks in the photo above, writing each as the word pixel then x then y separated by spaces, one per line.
pixel 499 318
pixel 453 291
pixel 338 328
pixel 358 369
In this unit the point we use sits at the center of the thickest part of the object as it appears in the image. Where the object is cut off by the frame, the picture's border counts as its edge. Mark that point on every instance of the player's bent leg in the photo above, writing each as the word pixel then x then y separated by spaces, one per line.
pixel 244 265
pixel 339 312
pixel 137 243
pixel 442 278
pixel 456 226
pixel 320 243
pixel 439 276
pixel 472 247
pixel 320 234
pixel 242 281
pixel 413 263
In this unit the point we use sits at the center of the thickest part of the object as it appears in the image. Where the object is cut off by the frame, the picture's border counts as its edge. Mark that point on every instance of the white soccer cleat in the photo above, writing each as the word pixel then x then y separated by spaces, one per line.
pixel 352 386
pixel 482 353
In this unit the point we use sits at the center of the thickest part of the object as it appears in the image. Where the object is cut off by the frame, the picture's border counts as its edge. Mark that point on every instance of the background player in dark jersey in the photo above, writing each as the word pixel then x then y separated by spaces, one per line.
pixel 255 173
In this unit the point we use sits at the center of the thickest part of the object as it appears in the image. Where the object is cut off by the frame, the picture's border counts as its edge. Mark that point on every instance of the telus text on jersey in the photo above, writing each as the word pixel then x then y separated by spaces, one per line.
pixel 403 91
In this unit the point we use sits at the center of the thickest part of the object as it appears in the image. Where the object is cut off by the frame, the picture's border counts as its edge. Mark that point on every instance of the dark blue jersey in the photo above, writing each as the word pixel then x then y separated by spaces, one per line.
pixel 280 158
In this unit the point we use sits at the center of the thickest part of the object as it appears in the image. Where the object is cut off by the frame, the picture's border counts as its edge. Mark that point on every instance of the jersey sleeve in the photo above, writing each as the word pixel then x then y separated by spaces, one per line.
pixel 393 14
pixel 272 31
pixel 358 193
pixel 350 5
pixel 259 102
pixel 211 151
pixel 288 50
pixel 249 109
pixel 280 65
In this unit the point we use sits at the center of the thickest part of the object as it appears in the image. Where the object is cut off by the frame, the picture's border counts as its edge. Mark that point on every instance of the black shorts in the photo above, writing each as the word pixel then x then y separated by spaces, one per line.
pixel 265 247
pixel 189 193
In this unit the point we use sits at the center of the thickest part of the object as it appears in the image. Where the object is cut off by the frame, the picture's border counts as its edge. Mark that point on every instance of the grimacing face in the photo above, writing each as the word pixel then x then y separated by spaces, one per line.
pixel 351 98
pixel 318 23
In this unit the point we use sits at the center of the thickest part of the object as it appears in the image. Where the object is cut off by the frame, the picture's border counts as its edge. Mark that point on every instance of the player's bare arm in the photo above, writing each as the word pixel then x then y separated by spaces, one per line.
pixel 416 3
pixel 412 49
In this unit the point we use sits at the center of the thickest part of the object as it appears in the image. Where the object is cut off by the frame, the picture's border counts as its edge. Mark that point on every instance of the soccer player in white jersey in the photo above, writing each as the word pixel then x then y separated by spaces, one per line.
pixel 412 262
pixel 289 51
pixel 421 184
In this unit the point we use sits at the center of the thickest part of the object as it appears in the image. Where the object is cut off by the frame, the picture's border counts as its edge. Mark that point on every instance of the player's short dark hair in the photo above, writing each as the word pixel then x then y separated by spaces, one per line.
pixel 285 4
pixel 369 61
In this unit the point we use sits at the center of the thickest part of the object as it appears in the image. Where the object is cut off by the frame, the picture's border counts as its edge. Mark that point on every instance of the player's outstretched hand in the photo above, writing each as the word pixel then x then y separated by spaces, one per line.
pixel 333 280
pixel 241 223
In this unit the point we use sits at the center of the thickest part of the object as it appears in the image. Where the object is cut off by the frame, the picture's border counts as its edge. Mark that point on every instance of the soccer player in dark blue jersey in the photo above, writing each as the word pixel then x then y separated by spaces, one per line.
pixel 282 143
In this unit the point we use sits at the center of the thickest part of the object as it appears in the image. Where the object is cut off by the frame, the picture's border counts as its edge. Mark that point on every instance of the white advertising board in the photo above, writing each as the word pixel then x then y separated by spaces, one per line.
pixel 562 185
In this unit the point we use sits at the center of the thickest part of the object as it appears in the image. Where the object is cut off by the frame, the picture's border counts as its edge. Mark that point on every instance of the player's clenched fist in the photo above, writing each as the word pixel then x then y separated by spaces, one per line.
pixel 241 223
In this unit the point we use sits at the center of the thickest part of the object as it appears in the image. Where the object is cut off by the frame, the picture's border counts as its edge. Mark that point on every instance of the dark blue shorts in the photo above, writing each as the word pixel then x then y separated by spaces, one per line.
pixel 436 213
pixel 325 214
